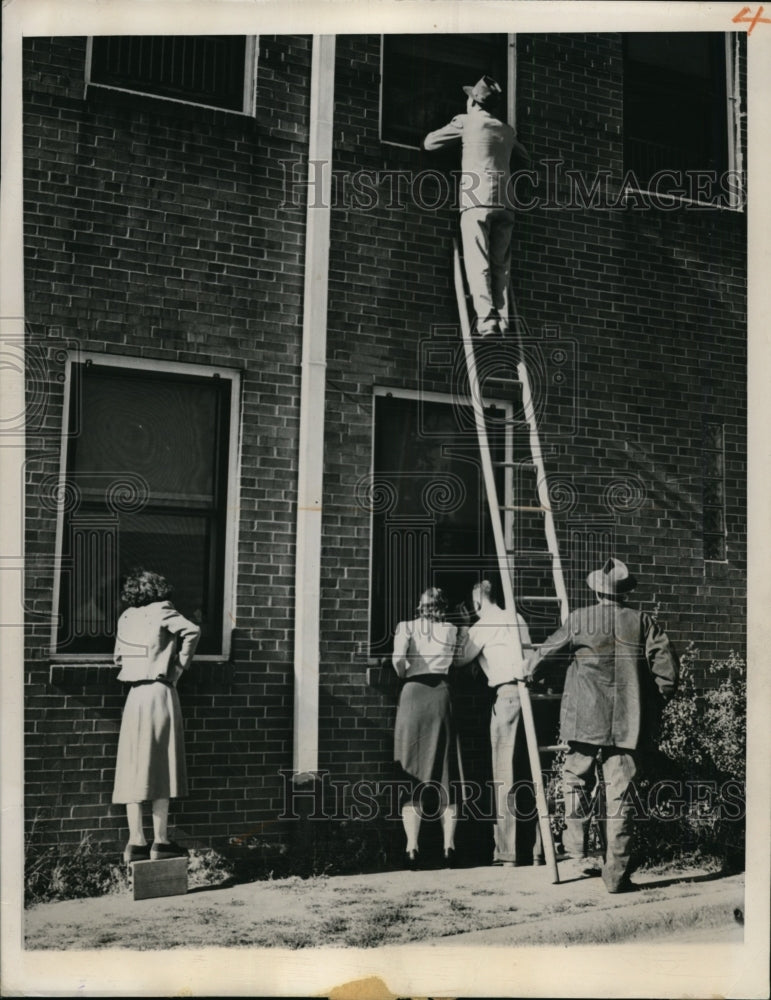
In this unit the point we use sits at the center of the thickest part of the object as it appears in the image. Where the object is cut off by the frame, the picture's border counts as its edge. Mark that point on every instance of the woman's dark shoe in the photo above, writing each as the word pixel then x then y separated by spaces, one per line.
pixel 136 852
pixel 162 852
pixel 411 858
pixel 449 857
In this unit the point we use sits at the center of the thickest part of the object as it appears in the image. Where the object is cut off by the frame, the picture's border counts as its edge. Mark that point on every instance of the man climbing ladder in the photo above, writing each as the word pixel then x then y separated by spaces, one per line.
pixel 487 218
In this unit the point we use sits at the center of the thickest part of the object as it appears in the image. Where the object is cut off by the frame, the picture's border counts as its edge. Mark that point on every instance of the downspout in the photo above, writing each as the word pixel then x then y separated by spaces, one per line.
pixel 307 625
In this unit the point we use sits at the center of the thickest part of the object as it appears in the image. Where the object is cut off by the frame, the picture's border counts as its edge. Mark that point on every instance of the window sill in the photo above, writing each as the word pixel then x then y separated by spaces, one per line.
pixel 666 202
pixel 86 671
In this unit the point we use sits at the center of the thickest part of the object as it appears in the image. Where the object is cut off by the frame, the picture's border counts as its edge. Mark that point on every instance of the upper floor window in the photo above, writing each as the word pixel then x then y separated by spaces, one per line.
pixel 212 70
pixel 147 477
pixel 675 106
pixel 422 77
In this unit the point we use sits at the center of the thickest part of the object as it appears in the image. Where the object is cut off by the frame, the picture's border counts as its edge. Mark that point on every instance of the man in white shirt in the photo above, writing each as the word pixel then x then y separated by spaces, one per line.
pixel 496 639
pixel 487 216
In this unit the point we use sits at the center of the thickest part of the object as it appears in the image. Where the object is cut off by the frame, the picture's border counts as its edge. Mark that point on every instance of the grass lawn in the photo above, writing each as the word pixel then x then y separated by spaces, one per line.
pixel 367 911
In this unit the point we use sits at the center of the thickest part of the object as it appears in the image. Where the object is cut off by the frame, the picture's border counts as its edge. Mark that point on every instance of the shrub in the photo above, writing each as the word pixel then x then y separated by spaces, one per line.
pixel 702 748
pixel 75 873
pixel 703 742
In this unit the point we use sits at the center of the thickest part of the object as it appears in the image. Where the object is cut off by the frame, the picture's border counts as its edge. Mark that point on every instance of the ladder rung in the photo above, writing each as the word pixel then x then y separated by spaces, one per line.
pixel 531 510
pixel 502 381
pixel 534 597
pixel 515 465
pixel 543 695
pixel 553 748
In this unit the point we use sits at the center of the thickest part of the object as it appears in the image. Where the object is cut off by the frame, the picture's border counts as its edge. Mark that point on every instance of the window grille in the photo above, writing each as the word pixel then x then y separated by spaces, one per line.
pixel 212 70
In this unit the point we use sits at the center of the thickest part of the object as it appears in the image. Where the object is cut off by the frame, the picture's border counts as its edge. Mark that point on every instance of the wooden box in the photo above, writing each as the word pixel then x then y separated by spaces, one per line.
pixel 159 878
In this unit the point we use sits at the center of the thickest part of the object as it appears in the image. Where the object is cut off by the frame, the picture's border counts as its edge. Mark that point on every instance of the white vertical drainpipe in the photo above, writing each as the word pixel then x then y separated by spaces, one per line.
pixel 311 458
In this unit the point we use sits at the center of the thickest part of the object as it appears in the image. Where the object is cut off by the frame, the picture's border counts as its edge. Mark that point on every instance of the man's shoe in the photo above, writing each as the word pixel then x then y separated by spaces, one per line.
pixel 162 852
pixel 626 885
pixel 572 868
pixel 497 863
pixel 136 852
pixel 488 328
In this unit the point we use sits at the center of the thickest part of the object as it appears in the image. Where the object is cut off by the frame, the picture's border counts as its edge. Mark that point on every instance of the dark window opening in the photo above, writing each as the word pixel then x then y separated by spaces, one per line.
pixel 675 116
pixel 423 76
pixel 200 69
pixel 430 519
pixel 146 485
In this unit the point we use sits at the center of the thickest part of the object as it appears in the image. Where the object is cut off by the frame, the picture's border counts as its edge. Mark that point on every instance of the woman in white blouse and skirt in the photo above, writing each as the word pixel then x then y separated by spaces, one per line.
pixel 425 742
pixel 154 646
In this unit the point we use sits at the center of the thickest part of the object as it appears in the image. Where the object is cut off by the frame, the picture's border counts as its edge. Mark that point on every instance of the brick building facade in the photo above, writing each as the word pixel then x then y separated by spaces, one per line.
pixel 167 248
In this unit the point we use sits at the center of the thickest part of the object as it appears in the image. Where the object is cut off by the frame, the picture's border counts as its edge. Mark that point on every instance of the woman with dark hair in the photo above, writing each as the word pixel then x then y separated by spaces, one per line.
pixel 154 646
pixel 425 743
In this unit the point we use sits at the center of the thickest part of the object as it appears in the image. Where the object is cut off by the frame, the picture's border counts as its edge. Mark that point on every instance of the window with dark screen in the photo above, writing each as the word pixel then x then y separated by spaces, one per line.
pixel 146 484
pixel 430 521
pixel 675 107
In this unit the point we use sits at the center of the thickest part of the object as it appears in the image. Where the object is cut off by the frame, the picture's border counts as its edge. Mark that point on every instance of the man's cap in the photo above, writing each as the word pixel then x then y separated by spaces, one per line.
pixel 485 92
pixel 613 578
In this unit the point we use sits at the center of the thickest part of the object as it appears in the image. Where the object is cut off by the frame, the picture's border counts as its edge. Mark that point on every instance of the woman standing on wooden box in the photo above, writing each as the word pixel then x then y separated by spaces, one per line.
pixel 154 646
pixel 425 743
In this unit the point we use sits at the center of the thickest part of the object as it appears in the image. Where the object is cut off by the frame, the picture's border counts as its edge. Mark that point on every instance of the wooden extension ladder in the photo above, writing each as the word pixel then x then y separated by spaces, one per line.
pixel 505 554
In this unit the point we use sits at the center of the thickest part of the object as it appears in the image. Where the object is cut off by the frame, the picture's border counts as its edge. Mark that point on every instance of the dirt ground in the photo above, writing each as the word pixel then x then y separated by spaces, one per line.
pixel 467 906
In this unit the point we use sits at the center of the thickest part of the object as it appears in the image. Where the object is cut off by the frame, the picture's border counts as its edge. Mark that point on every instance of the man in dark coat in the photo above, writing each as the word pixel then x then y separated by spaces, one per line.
pixel 621 670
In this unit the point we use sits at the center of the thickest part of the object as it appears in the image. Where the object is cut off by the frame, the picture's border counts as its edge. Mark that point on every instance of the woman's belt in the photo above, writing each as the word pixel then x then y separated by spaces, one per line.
pixel 432 680
pixel 153 680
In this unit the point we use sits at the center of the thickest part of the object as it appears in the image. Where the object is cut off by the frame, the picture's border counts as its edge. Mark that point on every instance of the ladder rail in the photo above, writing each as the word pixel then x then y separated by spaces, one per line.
pixel 505 565
pixel 536 451
pixel 543 489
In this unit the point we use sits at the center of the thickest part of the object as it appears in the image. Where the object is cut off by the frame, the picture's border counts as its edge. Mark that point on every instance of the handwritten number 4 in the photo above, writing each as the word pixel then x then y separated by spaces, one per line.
pixel 741 18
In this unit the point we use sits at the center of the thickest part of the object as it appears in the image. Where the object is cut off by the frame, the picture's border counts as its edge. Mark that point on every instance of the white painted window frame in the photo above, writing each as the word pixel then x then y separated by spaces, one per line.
pixel 450 399
pixel 231 500
pixel 511 92
pixel 249 103
pixel 735 156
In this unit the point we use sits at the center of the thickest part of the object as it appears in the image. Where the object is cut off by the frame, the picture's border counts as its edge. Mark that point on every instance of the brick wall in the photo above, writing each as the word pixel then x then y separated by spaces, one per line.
pixel 155 230
pixel 651 304
pixel 158 231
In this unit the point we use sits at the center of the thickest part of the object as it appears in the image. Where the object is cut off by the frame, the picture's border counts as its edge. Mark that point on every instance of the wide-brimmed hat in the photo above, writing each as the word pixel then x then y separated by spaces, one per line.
pixel 613 578
pixel 485 91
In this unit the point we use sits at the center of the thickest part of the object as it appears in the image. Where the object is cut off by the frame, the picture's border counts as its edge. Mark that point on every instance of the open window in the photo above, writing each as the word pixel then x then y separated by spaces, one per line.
pixel 675 106
pixel 211 70
pixel 148 471
pixel 422 78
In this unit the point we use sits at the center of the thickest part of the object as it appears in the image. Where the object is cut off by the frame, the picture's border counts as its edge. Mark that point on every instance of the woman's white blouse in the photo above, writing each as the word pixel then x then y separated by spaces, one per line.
pixel 152 640
pixel 423 646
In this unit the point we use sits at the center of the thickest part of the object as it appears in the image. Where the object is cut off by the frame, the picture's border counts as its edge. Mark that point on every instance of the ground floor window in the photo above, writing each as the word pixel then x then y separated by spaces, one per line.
pixel 430 522
pixel 147 463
